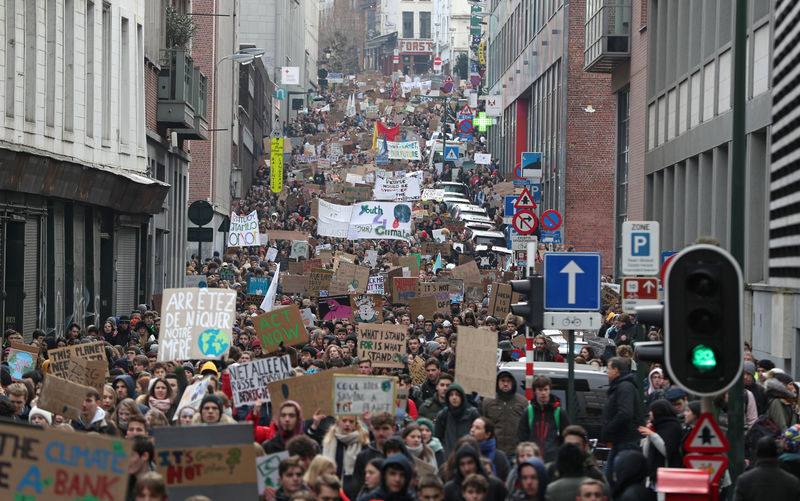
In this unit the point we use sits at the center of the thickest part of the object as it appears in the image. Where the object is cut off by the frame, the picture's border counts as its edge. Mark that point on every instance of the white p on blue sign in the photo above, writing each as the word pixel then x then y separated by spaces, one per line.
pixel 572 281
pixel 640 248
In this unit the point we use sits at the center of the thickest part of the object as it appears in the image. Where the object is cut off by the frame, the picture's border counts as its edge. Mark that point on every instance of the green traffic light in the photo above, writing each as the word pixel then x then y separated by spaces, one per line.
pixel 703 358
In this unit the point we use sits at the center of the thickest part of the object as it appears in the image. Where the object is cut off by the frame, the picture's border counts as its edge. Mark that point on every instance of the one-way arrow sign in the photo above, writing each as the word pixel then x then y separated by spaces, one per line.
pixel 640 291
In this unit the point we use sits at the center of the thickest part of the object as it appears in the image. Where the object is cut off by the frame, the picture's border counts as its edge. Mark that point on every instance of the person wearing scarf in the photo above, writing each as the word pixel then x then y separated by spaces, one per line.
pixel 482 431
pixel 342 444
pixel 287 424
pixel 455 420
pixel 427 429
pixel 662 446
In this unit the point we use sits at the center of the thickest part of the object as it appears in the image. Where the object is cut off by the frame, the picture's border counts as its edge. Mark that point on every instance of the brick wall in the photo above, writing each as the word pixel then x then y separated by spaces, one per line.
pixel 638 111
pixel 151 96
pixel 203 52
pixel 590 150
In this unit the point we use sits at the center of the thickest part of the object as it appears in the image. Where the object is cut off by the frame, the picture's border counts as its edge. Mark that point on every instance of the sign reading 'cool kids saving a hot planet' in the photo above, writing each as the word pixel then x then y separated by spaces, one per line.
pixel 382 220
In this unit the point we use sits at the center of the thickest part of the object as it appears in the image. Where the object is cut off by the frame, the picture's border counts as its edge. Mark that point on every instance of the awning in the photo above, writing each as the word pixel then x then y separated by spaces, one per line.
pixel 389 38
pixel 123 191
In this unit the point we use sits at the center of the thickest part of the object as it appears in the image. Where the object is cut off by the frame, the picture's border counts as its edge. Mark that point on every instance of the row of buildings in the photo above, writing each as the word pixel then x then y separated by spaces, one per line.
pixel 117 115
pixel 630 103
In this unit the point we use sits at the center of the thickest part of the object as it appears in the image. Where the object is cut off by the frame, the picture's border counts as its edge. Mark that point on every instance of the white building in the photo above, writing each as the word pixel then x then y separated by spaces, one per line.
pixel 451 30
pixel 75 196
pixel 412 20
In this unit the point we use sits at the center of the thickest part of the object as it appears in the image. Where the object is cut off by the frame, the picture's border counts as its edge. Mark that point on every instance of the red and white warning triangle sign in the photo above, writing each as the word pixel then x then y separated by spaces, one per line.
pixel 714 464
pixel 448 79
pixel 466 110
pixel 706 436
pixel 525 200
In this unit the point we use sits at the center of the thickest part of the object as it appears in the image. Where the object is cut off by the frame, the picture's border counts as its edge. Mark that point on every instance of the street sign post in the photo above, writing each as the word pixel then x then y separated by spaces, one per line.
pixel 572 281
pixel 451 153
pixel 551 236
pixel 572 320
pixel 714 464
pixel 706 436
pixel 551 220
pixel 640 248
pixel 640 291
pixel 524 222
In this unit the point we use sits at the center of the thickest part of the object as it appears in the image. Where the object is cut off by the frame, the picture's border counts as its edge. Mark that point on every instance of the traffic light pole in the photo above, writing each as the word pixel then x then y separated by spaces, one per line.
pixel 571 377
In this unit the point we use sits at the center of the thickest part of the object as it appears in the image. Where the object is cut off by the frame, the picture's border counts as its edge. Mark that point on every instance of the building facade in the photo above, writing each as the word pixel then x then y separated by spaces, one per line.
pixel 450 31
pixel 535 64
pixel 76 195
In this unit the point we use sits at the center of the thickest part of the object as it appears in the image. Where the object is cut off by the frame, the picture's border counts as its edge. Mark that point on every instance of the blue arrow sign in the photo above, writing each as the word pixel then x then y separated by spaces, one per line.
pixel 509 205
pixel 572 281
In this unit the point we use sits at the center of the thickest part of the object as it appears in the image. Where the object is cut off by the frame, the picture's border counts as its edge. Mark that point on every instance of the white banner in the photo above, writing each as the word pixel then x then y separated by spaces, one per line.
pixel 333 220
pixel 354 178
pixel 249 380
pixel 494 106
pixel 483 158
pixel 244 230
pixel 377 220
pixel 408 150
pixel 290 75
pixel 404 188
pixel 431 194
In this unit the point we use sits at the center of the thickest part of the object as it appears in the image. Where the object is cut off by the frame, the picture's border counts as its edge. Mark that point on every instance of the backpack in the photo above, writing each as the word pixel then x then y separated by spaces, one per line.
pixel 763 427
pixel 556 417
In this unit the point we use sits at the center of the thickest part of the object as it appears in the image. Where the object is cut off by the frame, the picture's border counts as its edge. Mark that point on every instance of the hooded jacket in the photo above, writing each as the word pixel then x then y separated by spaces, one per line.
pixel 623 412
pixel 452 489
pixel 278 442
pixel 382 492
pixel 453 423
pixel 545 432
pixel 505 410
pixel 541 474
pixel 132 393
pixel 668 432
pixel 630 468
pixel 99 423
pixel 781 413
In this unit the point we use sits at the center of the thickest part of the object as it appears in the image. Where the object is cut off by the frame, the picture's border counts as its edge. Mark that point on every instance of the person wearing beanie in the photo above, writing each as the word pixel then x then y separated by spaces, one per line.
pixel 766 480
pixel 40 417
pixel 211 411
pixel 781 395
pixel 789 460
pixel 505 410
pixel 762 367
pixel 432 349
pixel 455 420
pixel 753 387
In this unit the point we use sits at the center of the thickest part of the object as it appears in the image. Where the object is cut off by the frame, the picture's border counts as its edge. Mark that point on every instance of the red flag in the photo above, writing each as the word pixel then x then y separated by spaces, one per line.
pixel 388 133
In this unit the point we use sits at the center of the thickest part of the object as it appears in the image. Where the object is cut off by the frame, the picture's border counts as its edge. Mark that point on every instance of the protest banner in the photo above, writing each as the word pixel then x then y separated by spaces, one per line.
pixel 431 194
pixel 375 284
pixel 267 468
pixel 408 150
pixel 299 249
pixel 215 460
pixel 500 300
pixel 311 392
pixel 476 363
pixel 249 380
pixel 355 395
pixel 319 280
pixel 21 359
pixel 294 284
pixel 403 289
pixel 255 299
pixel 257 285
pixel 285 235
pixel 196 324
pixel 483 158
pixel 333 220
pixel 349 279
pixel 334 307
pixel 403 188
pixel 280 326
pixel 60 357
pixel 420 305
pixel 380 220
pixel 244 230
pixel 357 193
pixel 192 396
pixel 384 344
pixel 366 308
pixel 63 397
pixel 54 464
pixel 310 264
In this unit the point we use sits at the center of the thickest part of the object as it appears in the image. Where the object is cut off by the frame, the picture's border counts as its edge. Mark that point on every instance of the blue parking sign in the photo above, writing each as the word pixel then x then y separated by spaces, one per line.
pixel 572 281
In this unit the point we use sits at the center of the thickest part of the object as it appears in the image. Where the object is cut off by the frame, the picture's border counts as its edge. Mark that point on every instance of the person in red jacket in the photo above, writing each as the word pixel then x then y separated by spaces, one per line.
pixel 261 433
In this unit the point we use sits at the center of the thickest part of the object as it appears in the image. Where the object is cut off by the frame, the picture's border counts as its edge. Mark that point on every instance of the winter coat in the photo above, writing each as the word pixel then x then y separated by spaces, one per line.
pixel 100 423
pixel 452 489
pixel 623 412
pixel 767 480
pixel 427 390
pixel 663 449
pixel 564 489
pixel 630 467
pixel 541 473
pixel 782 414
pixel 545 432
pixel 505 410
pixel 367 454
pixel 453 423
pixel 431 408
pixel 382 492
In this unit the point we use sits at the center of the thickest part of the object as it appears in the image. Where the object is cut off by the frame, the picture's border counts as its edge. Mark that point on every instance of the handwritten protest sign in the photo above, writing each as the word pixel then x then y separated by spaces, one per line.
pixel 192 396
pixel 500 300
pixel 267 468
pixel 60 357
pixel 333 220
pixel 431 194
pixel 366 308
pixel 319 280
pixel 21 359
pixel 183 466
pixel 476 363
pixel 281 325
pixel 54 464
pixel 349 278
pixel 380 220
pixel 299 249
pixel 410 262
pixel 468 272
pixel 384 344
pixel 294 284
pixel 244 230
pixel 257 285
pixel 403 188
pixel 196 324
pixel 249 380
pixel 63 397
pixel 334 307
pixel 375 284
pixel 403 289
pixel 311 392
pixel 354 395
pixel 88 372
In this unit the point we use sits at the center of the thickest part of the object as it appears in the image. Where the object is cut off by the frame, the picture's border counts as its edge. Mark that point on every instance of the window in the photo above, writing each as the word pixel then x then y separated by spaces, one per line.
pixel 694 114
pixel 11 56
pixel 89 82
pixel 708 91
pixel 30 61
pixel 52 48
pixel 124 82
pixel 424 24
pixel 623 143
pixel 761 60
pixel 69 63
pixel 724 76
pixel 408 25
pixel 106 72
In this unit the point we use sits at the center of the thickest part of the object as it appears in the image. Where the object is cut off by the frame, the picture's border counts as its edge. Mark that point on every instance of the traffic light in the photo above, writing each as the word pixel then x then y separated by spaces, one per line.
pixel 703 324
pixel 532 310
pixel 650 351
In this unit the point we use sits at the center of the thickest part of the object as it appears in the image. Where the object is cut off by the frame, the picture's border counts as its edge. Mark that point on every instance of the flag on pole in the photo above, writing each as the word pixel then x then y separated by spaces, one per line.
pixel 269 298
pixel 437 265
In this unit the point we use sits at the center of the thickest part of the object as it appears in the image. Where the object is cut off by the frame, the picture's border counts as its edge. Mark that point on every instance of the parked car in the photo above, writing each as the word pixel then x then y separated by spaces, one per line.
pixel 453 187
pixel 487 237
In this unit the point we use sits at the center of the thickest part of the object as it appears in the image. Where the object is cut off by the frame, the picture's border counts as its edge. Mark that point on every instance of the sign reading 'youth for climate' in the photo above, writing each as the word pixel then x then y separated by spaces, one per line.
pixel 380 220
pixel 196 324
pixel 244 230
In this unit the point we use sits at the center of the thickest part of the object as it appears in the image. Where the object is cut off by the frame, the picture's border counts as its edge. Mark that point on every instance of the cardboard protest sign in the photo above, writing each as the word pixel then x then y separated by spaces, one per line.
pixel 476 360
pixel 257 285
pixel 255 299
pixel 375 285
pixel 349 279
pixel 412 263
pixel 354 395
pixel 384 344
pixel 333 307
pixel 380 220
pixel 500 300
pixel 285 235
pixel 468 272
pixel 366 308
pixel 192 396
pixel 295 267
pixel 425 306
pixel 54 464
pixel 196 324
pixel 21 359
pixel 88 372
pixel 294 284
pixel 434 248
pixel 310 264
pixel 403 289
pixel 244 230
pixel 60 357
pixel 311 392
pixel 63 397
pixel 249 380
pixel 281 325
pixel 357 193
pixel 267 468
pixel 319 280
